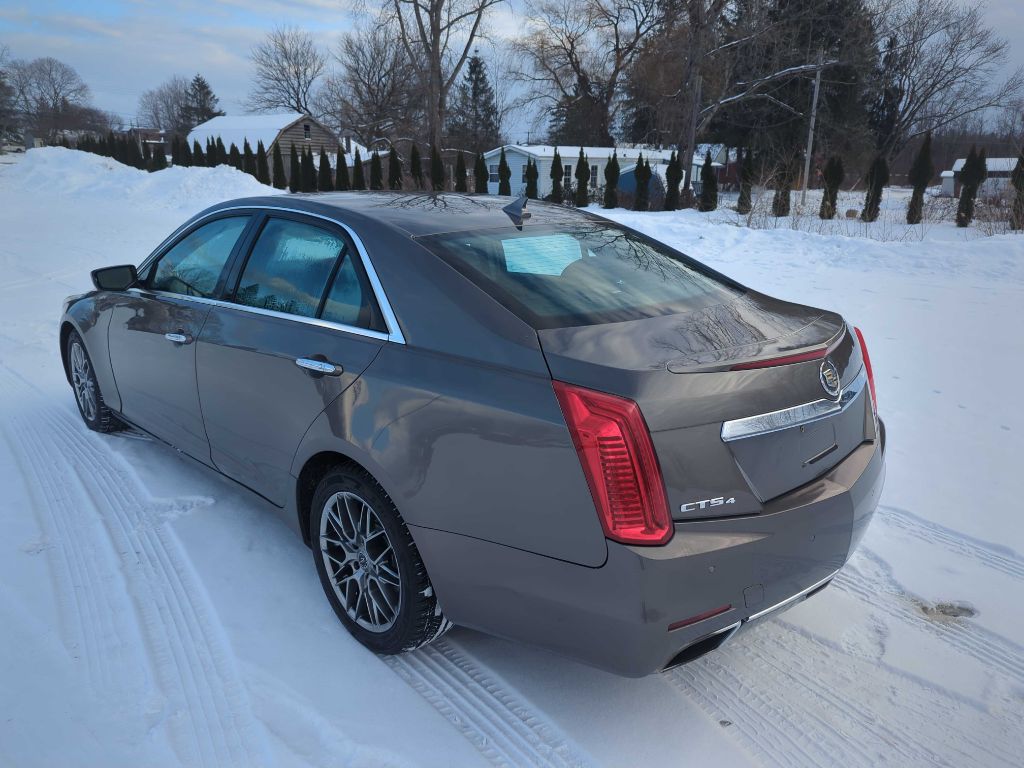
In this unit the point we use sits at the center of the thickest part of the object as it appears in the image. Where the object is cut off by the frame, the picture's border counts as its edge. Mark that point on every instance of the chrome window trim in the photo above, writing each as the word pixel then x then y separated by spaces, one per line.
pixel 775 421
pixel 394 329
pixel 379 335
pixel 792 598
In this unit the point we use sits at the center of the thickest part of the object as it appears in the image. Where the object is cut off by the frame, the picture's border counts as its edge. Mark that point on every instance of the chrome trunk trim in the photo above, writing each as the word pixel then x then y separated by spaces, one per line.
pixel 765 423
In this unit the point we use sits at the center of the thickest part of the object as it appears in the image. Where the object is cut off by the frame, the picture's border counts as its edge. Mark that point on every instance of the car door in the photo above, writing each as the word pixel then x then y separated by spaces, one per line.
pixel 297 327
pixel 154 326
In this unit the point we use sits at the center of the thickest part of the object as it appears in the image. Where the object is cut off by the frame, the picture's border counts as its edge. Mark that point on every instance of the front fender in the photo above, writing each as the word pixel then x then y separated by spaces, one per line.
pixel 90 315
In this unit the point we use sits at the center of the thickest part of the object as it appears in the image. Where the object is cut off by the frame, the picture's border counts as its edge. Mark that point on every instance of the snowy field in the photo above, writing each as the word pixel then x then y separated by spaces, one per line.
pixel 152 614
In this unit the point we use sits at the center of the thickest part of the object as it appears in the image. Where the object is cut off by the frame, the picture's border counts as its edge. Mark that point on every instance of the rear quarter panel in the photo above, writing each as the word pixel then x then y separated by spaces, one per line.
pixel 469 449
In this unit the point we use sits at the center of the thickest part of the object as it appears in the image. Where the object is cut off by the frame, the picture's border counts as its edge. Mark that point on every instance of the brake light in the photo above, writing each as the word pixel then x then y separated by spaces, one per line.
pixel 619 462
pixel 771 362
pixel 867 367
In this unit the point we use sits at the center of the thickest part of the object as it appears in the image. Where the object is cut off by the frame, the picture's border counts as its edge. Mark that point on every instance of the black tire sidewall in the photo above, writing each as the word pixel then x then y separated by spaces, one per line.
pixel 403 634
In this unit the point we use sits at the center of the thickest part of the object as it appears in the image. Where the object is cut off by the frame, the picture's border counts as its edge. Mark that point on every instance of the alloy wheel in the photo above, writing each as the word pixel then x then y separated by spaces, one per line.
pixel 82 379
pixel 360 561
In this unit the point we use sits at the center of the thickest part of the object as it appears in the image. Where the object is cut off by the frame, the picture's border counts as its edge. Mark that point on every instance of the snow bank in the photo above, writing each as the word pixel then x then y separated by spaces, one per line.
pixel 67 173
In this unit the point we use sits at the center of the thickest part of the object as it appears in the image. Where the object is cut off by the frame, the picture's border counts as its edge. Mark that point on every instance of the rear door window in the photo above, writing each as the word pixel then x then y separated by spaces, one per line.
pixel 289 268
pixel 194 265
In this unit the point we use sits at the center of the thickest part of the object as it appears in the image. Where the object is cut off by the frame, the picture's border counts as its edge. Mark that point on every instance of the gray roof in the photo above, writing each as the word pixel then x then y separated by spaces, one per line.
pixel 415 213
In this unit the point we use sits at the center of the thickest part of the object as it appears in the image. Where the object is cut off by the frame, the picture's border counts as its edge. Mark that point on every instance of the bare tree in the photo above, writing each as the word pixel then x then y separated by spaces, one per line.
pixel 940 64
pixel 167 107
pixel 578 52
pixel 288 65
pixel 372 96
pixel 437 36
pixel 49 94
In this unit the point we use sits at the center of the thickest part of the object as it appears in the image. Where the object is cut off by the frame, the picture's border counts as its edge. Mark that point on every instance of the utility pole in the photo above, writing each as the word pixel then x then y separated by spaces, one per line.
pixel 810 130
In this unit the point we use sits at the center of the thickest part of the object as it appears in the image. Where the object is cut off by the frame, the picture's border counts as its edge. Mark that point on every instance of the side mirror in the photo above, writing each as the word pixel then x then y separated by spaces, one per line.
pixel 115 278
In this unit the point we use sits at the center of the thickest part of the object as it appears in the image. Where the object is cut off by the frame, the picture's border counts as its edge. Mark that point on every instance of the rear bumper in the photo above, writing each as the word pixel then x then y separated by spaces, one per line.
pixel 617 616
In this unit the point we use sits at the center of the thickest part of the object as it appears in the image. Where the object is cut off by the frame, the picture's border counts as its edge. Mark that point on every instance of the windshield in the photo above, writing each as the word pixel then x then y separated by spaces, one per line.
pixel 586 274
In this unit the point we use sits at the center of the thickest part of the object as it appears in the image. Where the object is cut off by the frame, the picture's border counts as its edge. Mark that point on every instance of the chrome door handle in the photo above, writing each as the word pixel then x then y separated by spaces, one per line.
pixel 178 338
pixel 321 367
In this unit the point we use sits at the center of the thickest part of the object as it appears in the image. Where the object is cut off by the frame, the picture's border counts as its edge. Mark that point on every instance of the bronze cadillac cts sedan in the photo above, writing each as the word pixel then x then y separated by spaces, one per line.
pixel 539 424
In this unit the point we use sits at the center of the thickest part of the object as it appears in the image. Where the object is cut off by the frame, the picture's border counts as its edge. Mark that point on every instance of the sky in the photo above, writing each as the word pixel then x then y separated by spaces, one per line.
pixel 125 47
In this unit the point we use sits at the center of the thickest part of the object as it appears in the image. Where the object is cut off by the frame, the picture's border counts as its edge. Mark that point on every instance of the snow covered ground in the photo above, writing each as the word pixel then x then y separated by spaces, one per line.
pixel 153 614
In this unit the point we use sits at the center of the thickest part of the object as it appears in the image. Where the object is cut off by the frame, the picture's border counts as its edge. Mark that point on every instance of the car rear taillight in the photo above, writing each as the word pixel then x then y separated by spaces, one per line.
pixel 621 467
pixel 867 367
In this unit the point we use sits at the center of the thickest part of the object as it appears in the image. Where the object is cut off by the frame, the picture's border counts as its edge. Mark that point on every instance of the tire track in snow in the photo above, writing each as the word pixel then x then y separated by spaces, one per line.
pixel 792 705
pixel 210 718
pixel 506 730
pixel 990 555
pixel 869 579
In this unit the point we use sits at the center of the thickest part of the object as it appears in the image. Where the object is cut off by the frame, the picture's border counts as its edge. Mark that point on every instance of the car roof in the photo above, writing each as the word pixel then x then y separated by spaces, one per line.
pixel 417 214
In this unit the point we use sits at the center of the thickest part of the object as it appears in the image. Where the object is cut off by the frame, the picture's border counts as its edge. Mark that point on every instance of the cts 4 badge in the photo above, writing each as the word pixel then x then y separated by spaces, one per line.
pixel 718 501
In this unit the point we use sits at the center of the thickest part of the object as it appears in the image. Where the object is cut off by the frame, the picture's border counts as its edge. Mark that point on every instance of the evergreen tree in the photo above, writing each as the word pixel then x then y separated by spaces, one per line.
pixel 248 159
pixel 532 175
pixel 198 158
pixel 480 175
pixel 159 158
pixel 436 170
pixel 376 171
pixel 262 171
pixel 211 153
pixel 175 150
pixel 294 171
pixel 235 157
pixel 504 175
pixel 358 179
pixel 133 154
pixel 920 176
pixel 308 170
pixel 186 153
pixel 783 187
pixel 460 174
pixel 395 171
pixel 582 181
pixel 473 111
pixel 280 180
pixel 746 164
pixel 222 153
pixel 1017 181
pixel 556 178
pixel 642 174
pixel 972 176
pixel 202 104
pixel 611 182
pixel 341 182
pixel 673 177
pixel 708 185
pixel 877 180
pixel 147 157
pixel 416 166
pixel 833 175
pixel 324 180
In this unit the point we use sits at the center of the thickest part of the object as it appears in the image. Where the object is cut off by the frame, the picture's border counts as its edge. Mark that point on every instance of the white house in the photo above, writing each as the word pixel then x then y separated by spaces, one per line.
pixel 516 155
pixel 998 182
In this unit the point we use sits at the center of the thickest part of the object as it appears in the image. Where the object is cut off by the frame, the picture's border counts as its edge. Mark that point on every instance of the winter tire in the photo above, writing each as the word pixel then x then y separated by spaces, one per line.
pixel 94 411
pixel 369 566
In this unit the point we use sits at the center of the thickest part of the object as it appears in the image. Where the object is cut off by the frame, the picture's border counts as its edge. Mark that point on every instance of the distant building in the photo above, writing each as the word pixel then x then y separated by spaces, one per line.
pixel 998 182
pixel 285 128
pixel 516 155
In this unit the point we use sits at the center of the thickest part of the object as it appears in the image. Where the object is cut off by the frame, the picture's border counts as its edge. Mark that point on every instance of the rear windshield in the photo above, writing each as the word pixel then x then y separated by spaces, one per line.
pixel 581 275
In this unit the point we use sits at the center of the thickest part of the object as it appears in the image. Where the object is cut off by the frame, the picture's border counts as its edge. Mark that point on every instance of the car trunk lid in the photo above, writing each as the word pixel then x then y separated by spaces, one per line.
pixel 691 373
